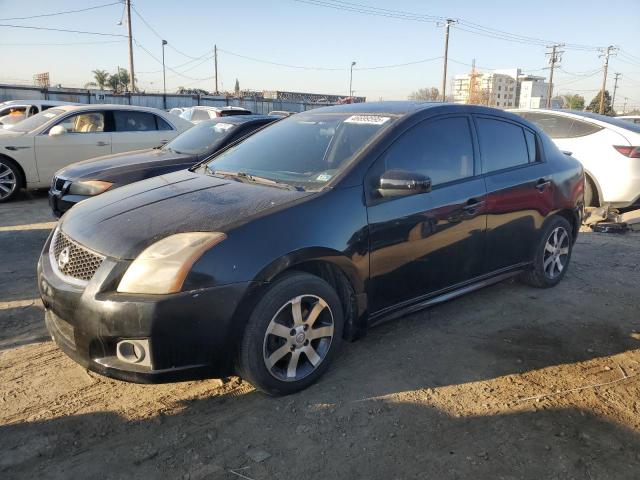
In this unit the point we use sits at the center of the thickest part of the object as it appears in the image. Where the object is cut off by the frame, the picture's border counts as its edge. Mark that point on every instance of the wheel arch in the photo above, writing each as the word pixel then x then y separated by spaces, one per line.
pixel 332 266
pixel 571 216
pixel 23 176
pixel 590 178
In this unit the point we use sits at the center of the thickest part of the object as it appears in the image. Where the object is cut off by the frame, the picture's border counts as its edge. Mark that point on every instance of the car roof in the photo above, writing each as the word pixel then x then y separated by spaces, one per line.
pixel 240 119
pixel 37 101
pixel 217 109
pixel 108 106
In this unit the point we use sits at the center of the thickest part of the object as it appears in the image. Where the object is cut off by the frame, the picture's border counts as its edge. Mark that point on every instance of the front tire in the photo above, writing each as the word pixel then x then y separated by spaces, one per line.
pixel 552 255
pixel 292 335
pixel 10 179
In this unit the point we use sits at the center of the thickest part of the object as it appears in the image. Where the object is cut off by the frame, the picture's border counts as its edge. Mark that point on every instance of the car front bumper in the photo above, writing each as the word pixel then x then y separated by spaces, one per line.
pixel 190 335
pixel 60 202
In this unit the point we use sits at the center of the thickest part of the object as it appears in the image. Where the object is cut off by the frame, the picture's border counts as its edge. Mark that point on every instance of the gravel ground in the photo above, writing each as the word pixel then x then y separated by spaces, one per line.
pixel 507 382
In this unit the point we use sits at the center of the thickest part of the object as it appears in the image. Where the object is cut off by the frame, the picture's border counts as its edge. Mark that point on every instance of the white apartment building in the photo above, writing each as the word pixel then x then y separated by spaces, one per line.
pixel 494 89
pixel 533 92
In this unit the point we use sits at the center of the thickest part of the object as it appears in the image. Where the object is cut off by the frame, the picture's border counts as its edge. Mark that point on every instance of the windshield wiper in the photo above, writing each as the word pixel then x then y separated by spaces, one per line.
pixel 242 176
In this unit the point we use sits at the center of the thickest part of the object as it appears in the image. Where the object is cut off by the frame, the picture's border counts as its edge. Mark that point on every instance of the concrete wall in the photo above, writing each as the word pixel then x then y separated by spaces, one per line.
pixel 154 100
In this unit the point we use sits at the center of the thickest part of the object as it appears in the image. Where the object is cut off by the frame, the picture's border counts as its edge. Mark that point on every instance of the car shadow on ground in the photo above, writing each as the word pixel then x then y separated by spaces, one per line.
pixel 299 438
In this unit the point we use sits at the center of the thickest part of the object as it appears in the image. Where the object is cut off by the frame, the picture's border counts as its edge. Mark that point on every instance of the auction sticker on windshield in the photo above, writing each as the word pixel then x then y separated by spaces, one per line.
pixel 367 119
pixel 223 126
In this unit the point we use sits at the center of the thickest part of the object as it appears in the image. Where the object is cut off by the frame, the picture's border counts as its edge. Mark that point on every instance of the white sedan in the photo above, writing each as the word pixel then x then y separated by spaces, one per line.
pixel 34 149
pixel 607 147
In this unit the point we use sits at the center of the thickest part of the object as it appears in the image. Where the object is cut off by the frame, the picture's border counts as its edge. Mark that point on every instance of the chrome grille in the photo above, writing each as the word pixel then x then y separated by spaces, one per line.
pixel 78 262
pixel 58 184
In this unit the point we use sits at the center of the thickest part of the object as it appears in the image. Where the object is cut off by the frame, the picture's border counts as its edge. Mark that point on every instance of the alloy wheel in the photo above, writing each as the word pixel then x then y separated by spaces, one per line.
pixel 298 338
pixel 556 252
pixel 8 181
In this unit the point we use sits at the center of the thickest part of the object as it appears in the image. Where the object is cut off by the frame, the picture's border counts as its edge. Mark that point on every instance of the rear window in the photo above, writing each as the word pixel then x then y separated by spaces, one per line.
pixel 618 122
pixel 502 145
pixel 133 121
pixel 558 126
pixel 228 113
pixel 198 115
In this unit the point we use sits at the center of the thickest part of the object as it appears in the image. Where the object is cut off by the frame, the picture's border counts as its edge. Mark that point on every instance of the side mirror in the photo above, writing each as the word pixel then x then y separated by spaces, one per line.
pixel 400 183
pixel 57 131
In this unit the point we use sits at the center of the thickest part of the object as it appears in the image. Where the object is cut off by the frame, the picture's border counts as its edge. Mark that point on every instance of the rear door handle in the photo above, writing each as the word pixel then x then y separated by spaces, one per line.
pixel 542 184
pixel 102 144
pixel 472 205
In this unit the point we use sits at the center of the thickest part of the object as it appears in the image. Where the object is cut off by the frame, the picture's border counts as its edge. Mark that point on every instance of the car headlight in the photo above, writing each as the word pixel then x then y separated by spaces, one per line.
pixel 162 267
pixel 89 187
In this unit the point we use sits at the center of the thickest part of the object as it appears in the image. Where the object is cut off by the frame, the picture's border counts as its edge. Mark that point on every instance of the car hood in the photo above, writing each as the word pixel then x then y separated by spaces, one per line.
pixel 6 133
pixel 123 222
pixel 112 167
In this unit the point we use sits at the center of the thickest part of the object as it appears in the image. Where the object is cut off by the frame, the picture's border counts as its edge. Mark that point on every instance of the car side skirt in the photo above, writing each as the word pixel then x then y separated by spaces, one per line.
pixel 445 295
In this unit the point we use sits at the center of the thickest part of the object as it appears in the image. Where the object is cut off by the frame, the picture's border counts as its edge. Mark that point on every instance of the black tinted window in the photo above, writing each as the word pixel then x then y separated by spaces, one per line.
pixel 132 121
pixel 531 145
pixel 557 126
pixel 502 145
pixel 440 149
pixel 163 124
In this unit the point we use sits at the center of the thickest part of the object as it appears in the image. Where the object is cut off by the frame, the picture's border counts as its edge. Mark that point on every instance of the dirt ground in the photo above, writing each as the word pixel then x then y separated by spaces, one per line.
pixel 508 382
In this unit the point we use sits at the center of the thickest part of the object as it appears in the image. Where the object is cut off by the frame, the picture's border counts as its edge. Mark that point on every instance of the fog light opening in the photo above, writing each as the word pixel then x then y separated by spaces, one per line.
pixel 133 351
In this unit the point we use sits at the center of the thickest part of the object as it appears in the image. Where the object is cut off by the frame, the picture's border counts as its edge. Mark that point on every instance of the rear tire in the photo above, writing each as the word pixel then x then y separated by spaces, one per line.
pixel 10 179
pixel 552 255
pixel 292 335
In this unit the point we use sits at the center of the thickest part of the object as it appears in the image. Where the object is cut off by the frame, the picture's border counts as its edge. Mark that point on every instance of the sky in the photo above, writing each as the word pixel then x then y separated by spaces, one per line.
pixel 322 42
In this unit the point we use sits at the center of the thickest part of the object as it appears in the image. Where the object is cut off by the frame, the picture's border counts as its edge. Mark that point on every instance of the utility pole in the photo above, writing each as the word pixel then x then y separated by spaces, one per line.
pixel 624 107
pixel 351 82
pixel 554 57
pixel 131 71
pixel 607 53
pixel 164 77
pixel 215 62
pixel 615 87
pixel 447 25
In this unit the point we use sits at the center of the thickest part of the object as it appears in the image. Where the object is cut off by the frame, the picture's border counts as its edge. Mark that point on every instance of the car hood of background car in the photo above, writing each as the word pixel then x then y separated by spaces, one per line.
pixel 112 167
pixel 123 222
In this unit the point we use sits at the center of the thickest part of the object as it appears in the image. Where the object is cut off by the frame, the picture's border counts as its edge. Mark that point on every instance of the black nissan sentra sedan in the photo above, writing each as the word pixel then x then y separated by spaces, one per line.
pixel 82 180
pixel 262 260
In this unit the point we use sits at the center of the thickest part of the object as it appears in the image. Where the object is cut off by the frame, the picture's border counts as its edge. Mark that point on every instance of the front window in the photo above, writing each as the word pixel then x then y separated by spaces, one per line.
pixel 86 122
pixel 201 138
pixel 305 150
pixel 38 120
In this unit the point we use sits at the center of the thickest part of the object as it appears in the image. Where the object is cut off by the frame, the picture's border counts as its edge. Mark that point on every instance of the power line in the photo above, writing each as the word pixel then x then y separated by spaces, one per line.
pixel 467 26
pixel 155 32
pixel 62 30
pixel 61 13
pixel 57 44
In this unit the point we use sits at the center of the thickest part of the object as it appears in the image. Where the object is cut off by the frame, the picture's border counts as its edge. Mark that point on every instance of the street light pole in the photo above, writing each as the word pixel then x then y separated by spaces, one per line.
pixel 164 77
pixel 351 81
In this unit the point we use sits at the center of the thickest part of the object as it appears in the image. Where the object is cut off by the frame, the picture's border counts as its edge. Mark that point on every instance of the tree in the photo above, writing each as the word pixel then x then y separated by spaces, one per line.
pixel 594 106
pixel 119 81
pixel 192 91
pixel 237 87
pixel 431 94
pixel 573 102
pixel 101 78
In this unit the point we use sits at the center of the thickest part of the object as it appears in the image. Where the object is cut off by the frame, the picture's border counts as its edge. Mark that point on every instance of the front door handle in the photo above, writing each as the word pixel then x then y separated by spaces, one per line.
pixel 542 184
pixel 102 144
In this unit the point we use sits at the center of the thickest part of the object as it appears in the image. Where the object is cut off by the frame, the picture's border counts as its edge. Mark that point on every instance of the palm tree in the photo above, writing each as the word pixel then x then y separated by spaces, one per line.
pixel 101 77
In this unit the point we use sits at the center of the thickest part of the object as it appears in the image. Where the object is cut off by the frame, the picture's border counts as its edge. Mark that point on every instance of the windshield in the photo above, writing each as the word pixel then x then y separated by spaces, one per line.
pixel 305 150
pixel 200 139
pixel 37 121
